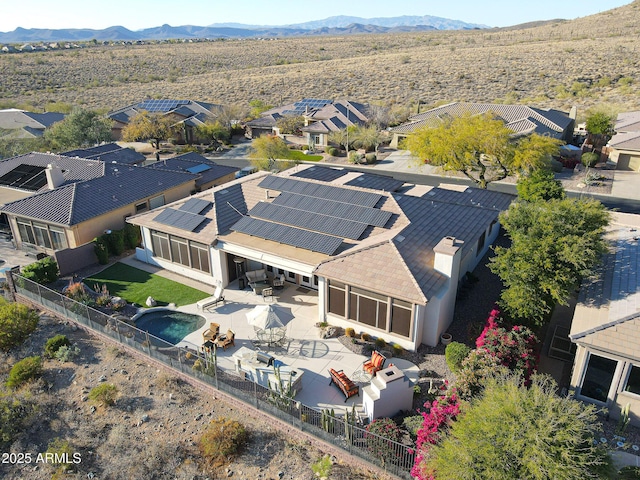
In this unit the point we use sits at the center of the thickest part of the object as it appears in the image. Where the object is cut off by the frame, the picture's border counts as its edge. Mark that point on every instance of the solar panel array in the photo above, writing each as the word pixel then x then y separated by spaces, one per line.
pixel 307 104
pixel 161 105
pixel 180 219
pixel 195 205
pixel 324 174
pixel 309 220
pixel 365 215
pixel 376 182
pixel 29 177
pixel 345 195
pixel 295 237
pixel 203 167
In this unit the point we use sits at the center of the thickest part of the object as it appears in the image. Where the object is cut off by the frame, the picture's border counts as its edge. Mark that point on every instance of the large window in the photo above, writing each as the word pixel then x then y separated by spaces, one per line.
pixel 633 381
pixel 598 377
pixel 370 308
pixel 41 234
pixel 336 298
pixel 156 202
pixel 179 250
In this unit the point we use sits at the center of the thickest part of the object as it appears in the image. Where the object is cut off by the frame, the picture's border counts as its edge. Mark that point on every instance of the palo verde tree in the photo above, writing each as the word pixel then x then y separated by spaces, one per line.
pixel 512 431
pixel 480 147
pixel 80 128
pixel 554 244
pixel 367 137
pixel 214 132
pixel 290 124
pixel 266 149
pixel 154 127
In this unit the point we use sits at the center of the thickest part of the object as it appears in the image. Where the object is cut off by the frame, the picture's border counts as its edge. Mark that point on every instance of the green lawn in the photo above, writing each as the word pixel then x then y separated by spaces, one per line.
pixel 298 155
pixel 136 285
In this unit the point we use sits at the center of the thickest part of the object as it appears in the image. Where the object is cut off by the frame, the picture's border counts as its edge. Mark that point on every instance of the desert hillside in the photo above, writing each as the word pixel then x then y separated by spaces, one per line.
pixel 583 62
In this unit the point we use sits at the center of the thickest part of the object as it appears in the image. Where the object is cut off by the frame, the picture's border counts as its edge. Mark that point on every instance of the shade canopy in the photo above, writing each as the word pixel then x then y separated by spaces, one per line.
pixel 266 317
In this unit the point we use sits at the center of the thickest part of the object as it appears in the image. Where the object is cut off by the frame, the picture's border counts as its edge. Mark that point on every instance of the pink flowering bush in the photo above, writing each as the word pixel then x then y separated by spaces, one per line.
pixel 380 444
pixel 437 418
pixel 513 348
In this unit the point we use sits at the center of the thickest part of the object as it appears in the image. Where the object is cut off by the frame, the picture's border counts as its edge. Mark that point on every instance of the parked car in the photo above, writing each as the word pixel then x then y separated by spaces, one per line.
pixel 246 171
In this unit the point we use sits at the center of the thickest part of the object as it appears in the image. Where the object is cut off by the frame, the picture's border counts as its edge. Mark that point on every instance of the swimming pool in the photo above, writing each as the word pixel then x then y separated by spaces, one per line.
pixel 169 325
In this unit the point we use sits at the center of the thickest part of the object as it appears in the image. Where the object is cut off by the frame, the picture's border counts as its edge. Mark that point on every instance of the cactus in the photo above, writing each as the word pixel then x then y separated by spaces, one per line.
pixel 328 420
pixel 623 421
pixel 282 395
pixel 350 419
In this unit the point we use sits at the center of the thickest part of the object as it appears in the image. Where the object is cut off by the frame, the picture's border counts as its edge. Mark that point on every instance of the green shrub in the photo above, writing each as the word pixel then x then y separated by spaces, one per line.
pixel 61 451
pixel 101 250
pixel 380 342
pixel 26 369
pixel 198 366
pixel 556 166
pixel 397 350
pixel 354 157
pixel 322 468
pixel 17 322
pixel 332 151
pixel 589 159
pixel 105 393
pixel 54 344
pixel 43 271
pixel 14 414
pixel 629 473
pixel 455 353
pixel 115 242
pixel 370 158
pixel 222 438
pixel 77 292
pixel 132 236
pixel 365 337
pixel 349 332
pixel 67 353
pixel 380 445
pixel 412 424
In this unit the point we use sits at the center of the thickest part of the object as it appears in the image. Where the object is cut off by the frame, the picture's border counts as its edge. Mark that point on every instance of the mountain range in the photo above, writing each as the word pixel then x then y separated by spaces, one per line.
pixel 338 25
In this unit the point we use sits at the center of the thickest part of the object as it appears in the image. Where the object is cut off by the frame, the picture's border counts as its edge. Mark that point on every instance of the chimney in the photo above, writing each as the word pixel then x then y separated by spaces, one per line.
pixel 55 178
pixel 447 258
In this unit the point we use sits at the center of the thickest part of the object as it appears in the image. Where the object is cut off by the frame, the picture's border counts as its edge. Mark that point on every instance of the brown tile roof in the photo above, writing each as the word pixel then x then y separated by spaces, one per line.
pixel 619 338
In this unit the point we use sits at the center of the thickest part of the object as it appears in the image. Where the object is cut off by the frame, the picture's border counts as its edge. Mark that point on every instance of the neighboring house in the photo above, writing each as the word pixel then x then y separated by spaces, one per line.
pixel 23 124
pixel 523 120
pixel 109 152
pixel 209 173
pixel 625 144
pixel 383 262
pixel 321 117
pixel 187 114
pixel 67 202
pixel 606 325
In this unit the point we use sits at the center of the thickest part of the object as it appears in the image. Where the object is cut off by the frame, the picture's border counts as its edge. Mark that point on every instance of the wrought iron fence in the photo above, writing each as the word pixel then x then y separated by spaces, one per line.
pixel 342 431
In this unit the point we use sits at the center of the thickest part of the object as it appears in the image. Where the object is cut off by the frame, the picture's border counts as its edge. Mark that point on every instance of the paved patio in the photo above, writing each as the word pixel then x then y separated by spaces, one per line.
pixel 303 349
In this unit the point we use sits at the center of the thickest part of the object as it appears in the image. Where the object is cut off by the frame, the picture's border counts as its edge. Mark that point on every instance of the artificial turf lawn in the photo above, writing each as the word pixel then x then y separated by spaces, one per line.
pixel 298 155
pixel 136 285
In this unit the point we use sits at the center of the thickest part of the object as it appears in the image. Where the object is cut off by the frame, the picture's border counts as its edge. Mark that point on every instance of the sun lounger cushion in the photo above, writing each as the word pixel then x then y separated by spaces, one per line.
pixel 340 380
pixel 375 363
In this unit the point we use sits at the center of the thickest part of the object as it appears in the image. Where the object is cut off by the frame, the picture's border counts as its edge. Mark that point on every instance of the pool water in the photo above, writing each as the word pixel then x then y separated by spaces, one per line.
pixel 170 325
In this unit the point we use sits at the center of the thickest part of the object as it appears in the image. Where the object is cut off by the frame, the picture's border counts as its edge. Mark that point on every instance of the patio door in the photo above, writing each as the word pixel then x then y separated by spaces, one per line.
pixel 309 281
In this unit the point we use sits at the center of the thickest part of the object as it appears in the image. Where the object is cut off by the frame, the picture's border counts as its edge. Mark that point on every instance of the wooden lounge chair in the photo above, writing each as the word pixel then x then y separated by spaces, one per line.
pixel 212 332
pixel 226 340
pixel 375 363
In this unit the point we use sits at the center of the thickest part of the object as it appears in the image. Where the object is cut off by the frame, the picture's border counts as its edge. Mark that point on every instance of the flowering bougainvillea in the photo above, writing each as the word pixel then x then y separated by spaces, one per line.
pixel 514 348
pixel 381 444
pixel 438 416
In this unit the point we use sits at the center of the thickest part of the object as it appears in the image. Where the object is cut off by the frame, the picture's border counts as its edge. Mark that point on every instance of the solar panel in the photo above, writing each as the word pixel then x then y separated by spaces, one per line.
pixel 376 182
pixel 295 237
pixel 365 215
pixel 339 194
pixel 180 219
pixel 309 220
pixel 325 174
pixel 195 205
pixel 203 167
pixel 30 177
pixel 163 105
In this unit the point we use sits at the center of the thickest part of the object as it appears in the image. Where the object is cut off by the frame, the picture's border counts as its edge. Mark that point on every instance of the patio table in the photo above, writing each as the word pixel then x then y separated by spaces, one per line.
pixel 259 286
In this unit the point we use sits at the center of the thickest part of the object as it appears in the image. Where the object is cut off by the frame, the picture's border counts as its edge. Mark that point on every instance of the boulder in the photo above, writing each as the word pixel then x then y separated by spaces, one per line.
pixel 151 302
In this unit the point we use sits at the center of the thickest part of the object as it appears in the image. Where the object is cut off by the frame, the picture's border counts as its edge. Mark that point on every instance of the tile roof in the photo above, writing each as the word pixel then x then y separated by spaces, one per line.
pixel 13 118
pixel 181 163
pixel 110 152
pixel 74 203
pixel 184 108
pixel 520 118
pixel 476 197
pixel 606 315
pixel 625 141
pixel 628 122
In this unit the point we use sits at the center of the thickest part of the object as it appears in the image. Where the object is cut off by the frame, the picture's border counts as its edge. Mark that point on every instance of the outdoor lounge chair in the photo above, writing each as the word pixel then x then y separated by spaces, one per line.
pixel 346 386
pixel 216 298
pixel 278 282
pixel 226 340
pixel 374 364
pixel 211 333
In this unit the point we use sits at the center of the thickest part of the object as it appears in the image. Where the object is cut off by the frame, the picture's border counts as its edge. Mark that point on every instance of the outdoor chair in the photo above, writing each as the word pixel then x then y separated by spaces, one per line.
pixel 216 298
pixel 375 363
pixel 278 282
pixel 267 292
pixel 226 340
pixel 212 332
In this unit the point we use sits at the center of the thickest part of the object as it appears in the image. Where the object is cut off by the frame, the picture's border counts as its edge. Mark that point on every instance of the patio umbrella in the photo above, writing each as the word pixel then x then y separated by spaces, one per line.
pixel 266 317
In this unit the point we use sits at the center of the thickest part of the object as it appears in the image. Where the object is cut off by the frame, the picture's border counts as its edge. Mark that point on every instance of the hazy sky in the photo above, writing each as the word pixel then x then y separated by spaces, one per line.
pixel 138 14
